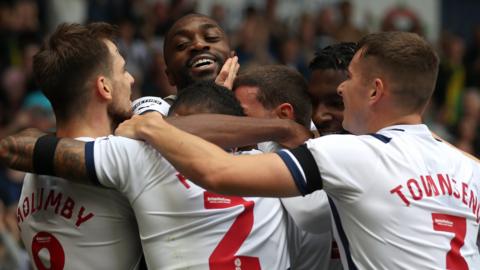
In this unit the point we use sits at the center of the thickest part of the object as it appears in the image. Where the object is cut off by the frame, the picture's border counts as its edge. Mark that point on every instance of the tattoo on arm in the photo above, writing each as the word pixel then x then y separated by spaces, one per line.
pixel 16 151
pixel 70 161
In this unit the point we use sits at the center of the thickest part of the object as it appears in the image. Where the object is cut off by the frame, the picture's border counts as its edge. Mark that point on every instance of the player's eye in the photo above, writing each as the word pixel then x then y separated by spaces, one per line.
pixel 212 38
pixel 181 46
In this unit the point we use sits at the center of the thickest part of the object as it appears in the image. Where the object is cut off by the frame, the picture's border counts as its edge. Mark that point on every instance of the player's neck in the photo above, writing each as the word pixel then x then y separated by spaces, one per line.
pixel 410 119
pixel 86 125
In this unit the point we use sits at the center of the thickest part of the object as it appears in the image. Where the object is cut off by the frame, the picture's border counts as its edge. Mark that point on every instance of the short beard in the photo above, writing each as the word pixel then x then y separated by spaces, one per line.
pixel 116 116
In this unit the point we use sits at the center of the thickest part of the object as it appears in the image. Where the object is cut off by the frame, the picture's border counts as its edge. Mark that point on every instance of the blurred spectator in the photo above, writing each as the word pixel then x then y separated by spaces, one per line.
pixel 468 127
pixel 253 40
pixel 451 80
pixel 290 55
pixel 472 59
pixel 161 19
pixel 135 52
pixel 401 18
pixel 107 10
pixel 347 31
pixel 12 255
pixel 325 26
pixel 12 92
pixel 218 14
pixel 35 112
pixel 75 11
pixel 19 25
pixel 156 81
pixel 306 35
pixel 28 51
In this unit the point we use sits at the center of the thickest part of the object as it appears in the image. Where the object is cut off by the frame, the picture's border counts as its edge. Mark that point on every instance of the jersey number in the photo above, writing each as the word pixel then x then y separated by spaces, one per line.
pixel 45 240
pixel 223 256
pixel 458 226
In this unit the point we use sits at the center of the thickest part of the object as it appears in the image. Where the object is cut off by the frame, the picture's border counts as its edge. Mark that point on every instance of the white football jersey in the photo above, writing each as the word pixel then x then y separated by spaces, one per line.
pixel 183 226
pixel 400 198
pixel 309 227
pixel 71 226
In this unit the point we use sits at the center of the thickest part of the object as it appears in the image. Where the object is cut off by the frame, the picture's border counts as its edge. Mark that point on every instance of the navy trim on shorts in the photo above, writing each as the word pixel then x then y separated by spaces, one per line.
pixel 342 235
pixel 381 137
pixel 90 163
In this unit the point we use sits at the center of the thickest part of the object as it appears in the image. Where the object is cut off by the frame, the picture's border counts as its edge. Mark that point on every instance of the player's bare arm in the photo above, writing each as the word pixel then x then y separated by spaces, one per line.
pixel 16 152
pixel 69 161
pixel 208 165
pixel 231 131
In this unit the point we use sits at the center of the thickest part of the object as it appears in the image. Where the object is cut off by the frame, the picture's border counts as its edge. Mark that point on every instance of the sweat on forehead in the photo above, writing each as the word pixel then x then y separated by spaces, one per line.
pixel 190 18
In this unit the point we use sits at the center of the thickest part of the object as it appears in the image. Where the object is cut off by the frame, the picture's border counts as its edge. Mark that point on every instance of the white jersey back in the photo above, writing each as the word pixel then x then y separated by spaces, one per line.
pixel 182 226
pixel 400 198
pixel 71 226
pixel 309 227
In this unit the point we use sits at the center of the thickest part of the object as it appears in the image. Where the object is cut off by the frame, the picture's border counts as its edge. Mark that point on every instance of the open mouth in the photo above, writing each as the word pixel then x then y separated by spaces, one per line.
pixel 202 63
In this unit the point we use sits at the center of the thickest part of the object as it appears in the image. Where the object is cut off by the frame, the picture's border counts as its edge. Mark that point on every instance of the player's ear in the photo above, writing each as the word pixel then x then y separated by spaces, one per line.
pixel 103 87
pixel 285 111
pixel 377 90
pixel 170 77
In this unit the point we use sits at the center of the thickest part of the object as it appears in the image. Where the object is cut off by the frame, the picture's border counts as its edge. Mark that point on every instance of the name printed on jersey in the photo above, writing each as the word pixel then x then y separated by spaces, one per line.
pixel 435 185
pixel 49 200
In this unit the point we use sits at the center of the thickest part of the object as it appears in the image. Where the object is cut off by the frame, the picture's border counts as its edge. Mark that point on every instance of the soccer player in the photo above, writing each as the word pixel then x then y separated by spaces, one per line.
pixel 66 225
pixel 280 92
pixel 196 49
pixel 182 225
pixel 401 199
pixel 329 69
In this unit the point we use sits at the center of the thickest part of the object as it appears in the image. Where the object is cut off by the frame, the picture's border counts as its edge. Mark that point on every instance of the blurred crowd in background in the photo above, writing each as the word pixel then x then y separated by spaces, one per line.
pixel 258 35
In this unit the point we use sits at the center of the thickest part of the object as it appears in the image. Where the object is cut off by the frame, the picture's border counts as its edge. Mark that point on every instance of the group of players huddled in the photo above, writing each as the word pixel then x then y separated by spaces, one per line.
pixel 379 190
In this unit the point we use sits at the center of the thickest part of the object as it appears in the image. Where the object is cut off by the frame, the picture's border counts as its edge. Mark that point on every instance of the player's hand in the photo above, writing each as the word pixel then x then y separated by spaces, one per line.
pixel 137 126
pixel 297 135
pixel 228 73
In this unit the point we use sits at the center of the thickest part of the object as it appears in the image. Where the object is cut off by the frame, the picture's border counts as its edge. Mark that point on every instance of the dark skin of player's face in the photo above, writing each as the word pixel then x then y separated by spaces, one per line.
pixel 196 49
pixel 327 104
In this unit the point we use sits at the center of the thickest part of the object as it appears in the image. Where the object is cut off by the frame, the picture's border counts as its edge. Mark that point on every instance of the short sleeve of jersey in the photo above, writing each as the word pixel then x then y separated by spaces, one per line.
pixel 126 165
pixel 336 163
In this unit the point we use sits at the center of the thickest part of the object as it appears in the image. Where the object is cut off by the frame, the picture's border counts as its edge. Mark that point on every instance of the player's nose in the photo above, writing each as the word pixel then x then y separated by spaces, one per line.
pixel 200 44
